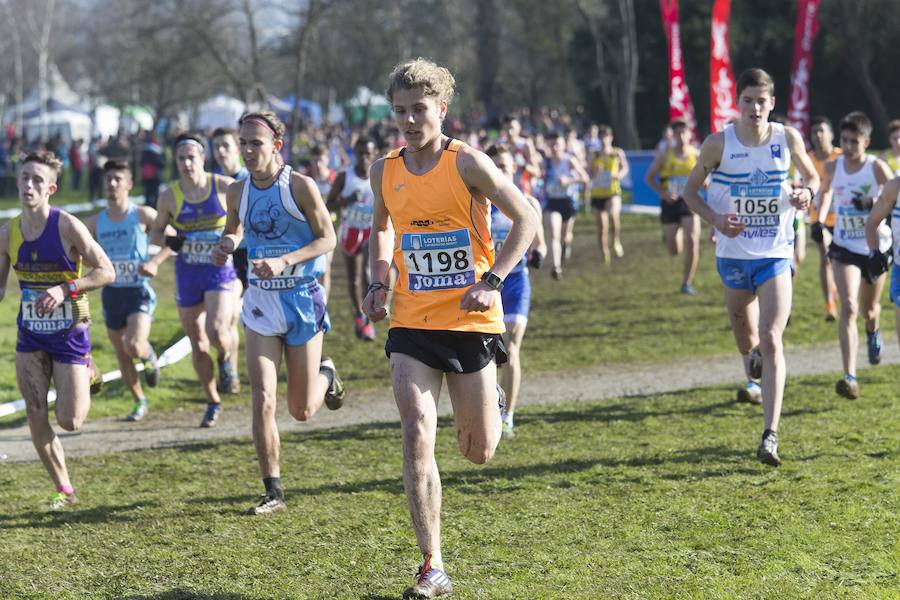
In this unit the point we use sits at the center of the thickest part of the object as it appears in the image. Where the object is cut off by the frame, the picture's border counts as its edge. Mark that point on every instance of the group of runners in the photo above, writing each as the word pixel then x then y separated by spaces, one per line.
pixel 439 237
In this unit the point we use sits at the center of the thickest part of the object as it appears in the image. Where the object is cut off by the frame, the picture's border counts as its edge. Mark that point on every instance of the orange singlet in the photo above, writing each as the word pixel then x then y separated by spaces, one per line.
pixel 442 245
pixel 820 169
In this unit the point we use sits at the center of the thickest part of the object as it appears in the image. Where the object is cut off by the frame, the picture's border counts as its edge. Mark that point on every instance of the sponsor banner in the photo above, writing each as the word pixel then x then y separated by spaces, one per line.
pixel 722 91
pixel 801 67
pixel 680 105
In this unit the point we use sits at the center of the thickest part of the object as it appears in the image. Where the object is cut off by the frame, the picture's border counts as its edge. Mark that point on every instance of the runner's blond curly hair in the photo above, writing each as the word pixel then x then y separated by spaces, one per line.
pixel 434 79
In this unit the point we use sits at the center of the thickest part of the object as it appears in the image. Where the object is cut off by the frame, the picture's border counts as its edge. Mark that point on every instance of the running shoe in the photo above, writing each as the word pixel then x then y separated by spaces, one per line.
pixel 556 273
pixel 768 449
pixel 268 505
pixel 607 260
pixel 874 343
pixel 688 290
pixel 228 383
pixel 506 429
pixel 213 410
pixel 360 324
pixel 369 332
pixel 618 250
pixel 830 312
pixel 151 369
pixel 848 387
pixel 62 500
pixel 430 583
pixel 139 411
pixel 756 364
pixel 95 377
pixel 334 395
pixel 751 394
pixel 566 252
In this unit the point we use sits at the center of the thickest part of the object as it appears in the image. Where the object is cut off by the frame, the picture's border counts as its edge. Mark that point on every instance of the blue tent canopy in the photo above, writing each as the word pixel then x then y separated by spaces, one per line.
pixel 309 110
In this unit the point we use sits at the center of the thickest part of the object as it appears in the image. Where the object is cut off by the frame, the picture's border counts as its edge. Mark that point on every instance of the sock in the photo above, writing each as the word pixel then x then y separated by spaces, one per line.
pixel 769 432
pixel 68 490
pixel 151 356
pixel 273 487
pixel 141 401
pixel 437 562
pixel 508 417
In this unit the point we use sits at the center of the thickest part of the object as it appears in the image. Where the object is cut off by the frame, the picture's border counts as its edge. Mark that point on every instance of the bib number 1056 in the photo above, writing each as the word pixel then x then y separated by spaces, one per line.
pixel 755 206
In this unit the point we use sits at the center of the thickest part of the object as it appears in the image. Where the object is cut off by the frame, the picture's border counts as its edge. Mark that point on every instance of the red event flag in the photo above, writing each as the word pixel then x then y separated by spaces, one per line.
pixel 721 78
pixel 801 67
pixel 680 105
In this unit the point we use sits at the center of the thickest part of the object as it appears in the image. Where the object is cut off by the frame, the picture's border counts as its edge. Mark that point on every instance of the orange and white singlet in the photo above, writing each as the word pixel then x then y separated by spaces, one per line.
pixel 442 246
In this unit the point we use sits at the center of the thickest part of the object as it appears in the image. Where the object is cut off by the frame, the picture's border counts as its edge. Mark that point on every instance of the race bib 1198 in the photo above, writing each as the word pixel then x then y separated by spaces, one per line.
pixel 438 261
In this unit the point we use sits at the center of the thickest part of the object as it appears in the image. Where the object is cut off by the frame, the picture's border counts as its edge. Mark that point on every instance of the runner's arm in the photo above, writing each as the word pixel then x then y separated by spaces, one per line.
pixel 4 259
pixel 334 194
pixel 165 212
pixel 381 248
pixel 481 175
pixel 882 209
pixel 580 174
pixel 233 232
pixel 539 243
pixel 91 224
pixel 883 172
pixel 652 175
pixel 75 234
pixel 624 167
pixel 709 158
pixel 801 198
pixel 825 192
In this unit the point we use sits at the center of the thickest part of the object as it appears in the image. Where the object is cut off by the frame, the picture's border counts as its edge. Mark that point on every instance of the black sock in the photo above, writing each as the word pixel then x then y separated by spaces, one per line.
pixel 273 487
pixel 768 432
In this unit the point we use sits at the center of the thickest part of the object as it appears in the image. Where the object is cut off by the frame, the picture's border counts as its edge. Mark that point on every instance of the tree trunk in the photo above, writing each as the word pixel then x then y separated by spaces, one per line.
pixel 488 32
pixel 616 55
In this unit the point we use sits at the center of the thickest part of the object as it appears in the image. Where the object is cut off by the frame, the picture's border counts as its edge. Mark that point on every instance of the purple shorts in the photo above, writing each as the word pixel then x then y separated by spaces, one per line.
pixel 193 281
pixel 71 347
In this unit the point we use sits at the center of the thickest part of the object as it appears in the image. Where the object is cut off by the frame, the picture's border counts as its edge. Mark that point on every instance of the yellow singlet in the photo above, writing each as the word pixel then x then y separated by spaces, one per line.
pixel 605 182
pixel 442 246
pixel 675 170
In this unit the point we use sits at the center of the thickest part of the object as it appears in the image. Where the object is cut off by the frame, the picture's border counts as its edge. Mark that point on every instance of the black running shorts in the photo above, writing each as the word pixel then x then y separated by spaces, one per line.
pixel 447 351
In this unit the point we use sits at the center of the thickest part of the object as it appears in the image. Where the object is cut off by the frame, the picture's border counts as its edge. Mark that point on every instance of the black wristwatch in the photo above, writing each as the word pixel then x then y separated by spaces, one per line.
pixel 492 280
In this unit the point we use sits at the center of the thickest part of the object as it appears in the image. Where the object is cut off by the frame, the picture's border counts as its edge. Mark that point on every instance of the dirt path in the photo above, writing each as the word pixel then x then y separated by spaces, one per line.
pixel 370 406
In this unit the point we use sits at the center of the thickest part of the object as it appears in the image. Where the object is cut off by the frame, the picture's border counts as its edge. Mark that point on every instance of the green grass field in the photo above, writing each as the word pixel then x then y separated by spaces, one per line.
pixel 632 311
pixel 648 497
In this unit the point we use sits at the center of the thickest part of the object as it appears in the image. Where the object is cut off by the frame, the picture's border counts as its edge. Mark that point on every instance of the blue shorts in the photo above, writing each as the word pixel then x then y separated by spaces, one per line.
pixel 895 285
pixel 295 316
pixel 516 295
pixel 193 281
pixel 120 302
pixel 72 347
pixel 749 274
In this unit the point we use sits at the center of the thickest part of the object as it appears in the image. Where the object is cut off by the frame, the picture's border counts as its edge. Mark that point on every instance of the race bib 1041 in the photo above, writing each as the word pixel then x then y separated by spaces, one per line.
pixel 34 320
pixel 438 261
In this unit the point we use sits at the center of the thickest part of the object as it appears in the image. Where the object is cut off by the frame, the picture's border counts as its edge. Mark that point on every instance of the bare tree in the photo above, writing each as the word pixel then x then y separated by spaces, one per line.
pixel 488 32
pixel 612 24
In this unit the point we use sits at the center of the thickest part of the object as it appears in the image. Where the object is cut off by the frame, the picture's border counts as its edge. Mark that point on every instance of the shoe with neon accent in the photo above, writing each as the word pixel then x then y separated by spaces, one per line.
pixel 755 364
pixel 62 500
pixel 138 412
pixel 365 331
pixel 873 341
pixel 334 395
pixel 751 394
pixel 95 378
pixel 618 250
pixel 151 369
pixel 767 452
pixel 506 430
pixel 848 387
pixel 211 416
pixel 268 505
pixel 430 583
